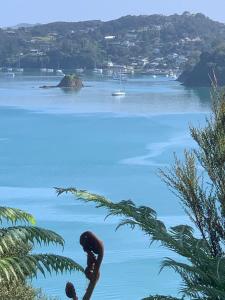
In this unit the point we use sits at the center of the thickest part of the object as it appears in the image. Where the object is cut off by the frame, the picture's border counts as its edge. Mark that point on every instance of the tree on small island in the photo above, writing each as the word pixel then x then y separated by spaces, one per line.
pixel 71 81
pixel 202 195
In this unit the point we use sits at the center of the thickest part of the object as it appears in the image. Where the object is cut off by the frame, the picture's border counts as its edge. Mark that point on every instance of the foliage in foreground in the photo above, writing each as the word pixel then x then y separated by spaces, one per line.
pixel 17 263
pixel 199 182
pixel 22 291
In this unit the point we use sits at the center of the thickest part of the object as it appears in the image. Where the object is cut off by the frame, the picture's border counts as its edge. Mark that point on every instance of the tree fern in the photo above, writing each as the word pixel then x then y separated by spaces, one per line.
pixel 25 234
pixel 18 268
pixel 159 297
pixel 16 242
pixel 14 215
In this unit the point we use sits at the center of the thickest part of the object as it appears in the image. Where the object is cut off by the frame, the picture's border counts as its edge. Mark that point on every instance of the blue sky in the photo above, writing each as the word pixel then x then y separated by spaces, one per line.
pixel 13 12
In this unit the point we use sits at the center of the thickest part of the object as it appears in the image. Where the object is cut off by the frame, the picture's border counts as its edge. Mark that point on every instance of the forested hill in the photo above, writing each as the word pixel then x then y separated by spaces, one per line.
pixel 142 41
pixel 211 66
pixel 176 26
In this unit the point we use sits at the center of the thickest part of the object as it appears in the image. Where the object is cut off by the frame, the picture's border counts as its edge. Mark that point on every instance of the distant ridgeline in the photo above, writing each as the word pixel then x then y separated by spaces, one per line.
pixel 144 42
pixel 211 64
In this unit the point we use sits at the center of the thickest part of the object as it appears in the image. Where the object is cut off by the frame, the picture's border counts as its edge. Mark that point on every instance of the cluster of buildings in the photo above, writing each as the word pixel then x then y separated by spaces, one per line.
pixel 156 59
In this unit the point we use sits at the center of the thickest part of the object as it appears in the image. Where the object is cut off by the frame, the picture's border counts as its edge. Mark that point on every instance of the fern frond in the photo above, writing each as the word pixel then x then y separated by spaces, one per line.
pixel 11 237
pixel 15 215
pixel 19 268
pixel 142 216
pixel 179 239
pixel 122 208
pixel 159 297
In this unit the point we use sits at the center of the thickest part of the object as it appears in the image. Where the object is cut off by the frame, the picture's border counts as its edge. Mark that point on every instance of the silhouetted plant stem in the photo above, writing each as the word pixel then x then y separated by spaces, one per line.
pixel 70 291
pixel 92 246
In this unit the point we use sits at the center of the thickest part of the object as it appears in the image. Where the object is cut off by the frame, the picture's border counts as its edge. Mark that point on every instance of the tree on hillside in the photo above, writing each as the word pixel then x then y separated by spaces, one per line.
pixel 209 63
pixel 199 182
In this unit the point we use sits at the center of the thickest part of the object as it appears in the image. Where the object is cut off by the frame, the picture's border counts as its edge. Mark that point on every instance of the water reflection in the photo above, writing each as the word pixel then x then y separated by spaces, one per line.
pixel 202 93
pixel 70 90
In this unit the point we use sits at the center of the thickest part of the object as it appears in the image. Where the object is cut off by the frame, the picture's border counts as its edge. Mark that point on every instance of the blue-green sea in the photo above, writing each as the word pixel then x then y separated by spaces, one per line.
pixel 108 145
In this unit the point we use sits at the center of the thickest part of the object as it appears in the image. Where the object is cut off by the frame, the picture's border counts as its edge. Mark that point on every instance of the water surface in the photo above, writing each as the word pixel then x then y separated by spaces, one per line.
pixel 112 146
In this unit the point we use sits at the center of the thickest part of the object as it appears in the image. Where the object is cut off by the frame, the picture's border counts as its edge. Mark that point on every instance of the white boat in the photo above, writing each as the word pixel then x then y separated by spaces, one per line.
pixel 59 72
pixel 10 75
pixel 173 75
pixel 119 93
pixel 121 77
pixel 43 70
pixel 50 70
pixel 9 69
pixel 19 70
pixel 79 70
pixel 98 71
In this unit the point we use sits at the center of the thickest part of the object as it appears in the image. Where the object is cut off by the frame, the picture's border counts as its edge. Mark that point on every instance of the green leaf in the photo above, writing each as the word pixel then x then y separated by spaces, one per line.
pixel 15 215
pixel 19 268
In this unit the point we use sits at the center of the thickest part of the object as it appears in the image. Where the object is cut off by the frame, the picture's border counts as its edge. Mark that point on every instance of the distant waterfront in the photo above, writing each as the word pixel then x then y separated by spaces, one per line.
pixel 108 145
pixel 146 43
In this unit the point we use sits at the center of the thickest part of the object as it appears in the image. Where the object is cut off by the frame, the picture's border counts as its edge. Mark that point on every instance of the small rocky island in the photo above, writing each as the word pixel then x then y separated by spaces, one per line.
pixel 71 81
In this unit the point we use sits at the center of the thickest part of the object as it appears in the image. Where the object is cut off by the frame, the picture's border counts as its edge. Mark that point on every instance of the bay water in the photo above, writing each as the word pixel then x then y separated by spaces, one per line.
pixel 108 145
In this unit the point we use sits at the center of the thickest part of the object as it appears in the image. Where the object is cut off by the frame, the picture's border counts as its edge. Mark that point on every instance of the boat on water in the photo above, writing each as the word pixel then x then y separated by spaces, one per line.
pixel 43 70
pixel 79 70
pixel 119 93
pixel 121 77
pixel 97 71
pixel 59 72
pixel 10 75
pixel 19 70
pixel 173 75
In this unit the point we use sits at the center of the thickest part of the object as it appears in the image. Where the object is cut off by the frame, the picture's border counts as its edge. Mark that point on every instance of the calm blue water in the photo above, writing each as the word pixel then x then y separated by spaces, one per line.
pixel 91 140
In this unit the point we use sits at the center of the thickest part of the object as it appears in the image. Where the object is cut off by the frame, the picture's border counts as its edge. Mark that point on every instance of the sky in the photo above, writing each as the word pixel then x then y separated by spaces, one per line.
pixel 13 12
